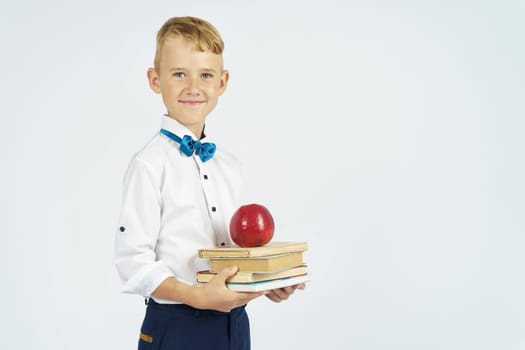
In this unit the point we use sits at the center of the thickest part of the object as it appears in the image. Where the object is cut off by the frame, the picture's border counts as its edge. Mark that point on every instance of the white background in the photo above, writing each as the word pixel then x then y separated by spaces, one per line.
pixel 387 134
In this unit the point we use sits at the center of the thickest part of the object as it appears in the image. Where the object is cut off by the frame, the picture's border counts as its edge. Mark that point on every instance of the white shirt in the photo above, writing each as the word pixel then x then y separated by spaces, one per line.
pixel 172 206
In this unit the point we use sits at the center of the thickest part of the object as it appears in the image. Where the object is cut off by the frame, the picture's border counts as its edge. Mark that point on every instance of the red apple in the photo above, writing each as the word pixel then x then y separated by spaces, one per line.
pixel 252 226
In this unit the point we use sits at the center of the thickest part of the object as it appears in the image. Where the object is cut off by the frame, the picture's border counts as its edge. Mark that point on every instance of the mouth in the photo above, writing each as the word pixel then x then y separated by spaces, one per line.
pixel 192 103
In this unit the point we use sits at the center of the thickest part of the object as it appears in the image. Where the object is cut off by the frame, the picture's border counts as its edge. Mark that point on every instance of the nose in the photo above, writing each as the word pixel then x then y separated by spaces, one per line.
pixel 193 86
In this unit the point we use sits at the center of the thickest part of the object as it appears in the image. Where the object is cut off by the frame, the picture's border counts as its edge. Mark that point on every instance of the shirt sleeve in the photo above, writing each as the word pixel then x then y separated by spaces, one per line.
pixel 138 230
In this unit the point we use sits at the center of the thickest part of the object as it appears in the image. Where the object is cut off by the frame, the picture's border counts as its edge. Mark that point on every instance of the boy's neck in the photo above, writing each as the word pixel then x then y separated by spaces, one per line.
pixel 196 129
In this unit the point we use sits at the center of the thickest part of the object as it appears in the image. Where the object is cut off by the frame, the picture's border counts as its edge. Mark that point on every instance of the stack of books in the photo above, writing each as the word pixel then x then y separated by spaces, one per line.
pixel 275 265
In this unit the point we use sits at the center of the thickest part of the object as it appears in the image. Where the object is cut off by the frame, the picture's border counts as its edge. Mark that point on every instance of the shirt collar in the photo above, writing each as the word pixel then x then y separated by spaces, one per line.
pixel 179 129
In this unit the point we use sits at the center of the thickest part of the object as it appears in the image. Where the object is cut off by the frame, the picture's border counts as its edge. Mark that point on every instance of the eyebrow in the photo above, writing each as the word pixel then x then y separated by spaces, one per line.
pixel 184 69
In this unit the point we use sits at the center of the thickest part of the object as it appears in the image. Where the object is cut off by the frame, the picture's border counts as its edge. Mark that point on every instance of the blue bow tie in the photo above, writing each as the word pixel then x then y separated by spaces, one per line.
pixel 188 146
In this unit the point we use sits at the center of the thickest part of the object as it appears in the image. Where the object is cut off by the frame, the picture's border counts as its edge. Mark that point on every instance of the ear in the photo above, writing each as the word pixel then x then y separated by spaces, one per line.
pixel 225 76
pixel 154 80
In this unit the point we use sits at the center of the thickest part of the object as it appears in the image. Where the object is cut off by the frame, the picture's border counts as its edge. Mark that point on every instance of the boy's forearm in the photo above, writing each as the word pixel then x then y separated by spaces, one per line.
pixel 213 296
pixel 171 289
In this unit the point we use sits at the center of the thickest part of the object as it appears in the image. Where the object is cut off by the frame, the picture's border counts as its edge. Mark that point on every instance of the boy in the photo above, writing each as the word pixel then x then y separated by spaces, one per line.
pixel 180 192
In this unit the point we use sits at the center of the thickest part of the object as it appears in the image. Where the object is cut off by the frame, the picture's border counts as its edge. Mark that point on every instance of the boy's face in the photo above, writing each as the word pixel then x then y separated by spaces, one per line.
pixel 189 81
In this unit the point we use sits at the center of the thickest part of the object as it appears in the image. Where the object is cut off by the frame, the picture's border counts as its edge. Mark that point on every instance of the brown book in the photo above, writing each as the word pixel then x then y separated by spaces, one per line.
pixel 250 277
pixel 272 248
pixel 270 263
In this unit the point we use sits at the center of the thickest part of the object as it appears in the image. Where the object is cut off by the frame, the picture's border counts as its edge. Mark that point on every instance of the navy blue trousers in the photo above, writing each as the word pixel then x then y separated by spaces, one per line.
pixel 180 327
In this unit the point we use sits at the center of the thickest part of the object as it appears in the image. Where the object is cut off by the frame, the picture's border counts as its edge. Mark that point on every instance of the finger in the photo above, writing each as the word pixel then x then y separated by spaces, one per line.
pixel 281 293
pixel 300 286
pixel 273 297
pixel 226 273
pixel 289 290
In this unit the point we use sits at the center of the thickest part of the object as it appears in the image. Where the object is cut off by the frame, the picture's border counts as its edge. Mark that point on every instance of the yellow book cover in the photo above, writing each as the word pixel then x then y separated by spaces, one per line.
pixel 271 263
pixel 249 277
pixel 272 248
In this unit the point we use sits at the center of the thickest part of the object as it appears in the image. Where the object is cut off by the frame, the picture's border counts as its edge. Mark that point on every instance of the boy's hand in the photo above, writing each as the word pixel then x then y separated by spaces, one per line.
pixel 281 294
pixel 216 296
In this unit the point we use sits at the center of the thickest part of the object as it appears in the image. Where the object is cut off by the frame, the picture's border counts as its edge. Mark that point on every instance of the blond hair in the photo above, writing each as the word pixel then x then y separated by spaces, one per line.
pixel 202 34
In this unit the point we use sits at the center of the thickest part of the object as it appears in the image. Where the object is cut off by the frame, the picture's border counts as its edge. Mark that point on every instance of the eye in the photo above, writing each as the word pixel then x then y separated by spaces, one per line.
pixel 206 75
pixel 179 75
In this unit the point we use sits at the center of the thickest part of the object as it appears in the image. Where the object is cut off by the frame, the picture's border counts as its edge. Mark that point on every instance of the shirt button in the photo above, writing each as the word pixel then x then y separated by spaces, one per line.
pixel 205 177
pixel 213 209
pixel 223 244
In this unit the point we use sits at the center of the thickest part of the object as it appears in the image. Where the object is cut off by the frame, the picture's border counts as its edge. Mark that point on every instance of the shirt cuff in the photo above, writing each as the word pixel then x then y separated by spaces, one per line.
pixel 147 279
